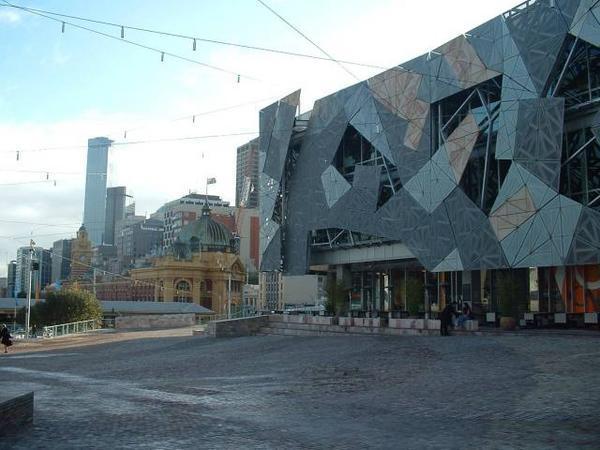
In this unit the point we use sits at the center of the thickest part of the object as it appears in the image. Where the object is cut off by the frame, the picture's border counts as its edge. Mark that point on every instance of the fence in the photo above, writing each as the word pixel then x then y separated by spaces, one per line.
pixel 65 329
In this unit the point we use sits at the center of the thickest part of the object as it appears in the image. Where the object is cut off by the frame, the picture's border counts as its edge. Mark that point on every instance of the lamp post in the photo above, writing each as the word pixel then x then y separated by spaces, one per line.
pixel 228 288
pixel 229 295
pixel 27 319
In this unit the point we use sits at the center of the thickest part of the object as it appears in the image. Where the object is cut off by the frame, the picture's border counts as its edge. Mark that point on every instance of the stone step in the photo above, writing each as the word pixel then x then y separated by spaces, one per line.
pixel 320 330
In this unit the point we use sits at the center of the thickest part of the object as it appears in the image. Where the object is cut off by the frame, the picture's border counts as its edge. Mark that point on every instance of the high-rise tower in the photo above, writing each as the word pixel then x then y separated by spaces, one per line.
pixel 94 208
pixel 115 212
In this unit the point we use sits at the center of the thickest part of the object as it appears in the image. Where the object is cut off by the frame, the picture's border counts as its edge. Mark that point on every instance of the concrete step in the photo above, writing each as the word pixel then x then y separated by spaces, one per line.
pixel 305 329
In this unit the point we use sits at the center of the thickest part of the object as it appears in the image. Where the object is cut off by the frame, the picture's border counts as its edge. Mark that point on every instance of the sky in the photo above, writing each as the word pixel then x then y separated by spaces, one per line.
pixel 59 89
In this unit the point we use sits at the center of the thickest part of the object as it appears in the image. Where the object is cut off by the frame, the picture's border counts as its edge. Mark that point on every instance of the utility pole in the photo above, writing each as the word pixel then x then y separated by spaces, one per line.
pixel 31 249
pixel 229 295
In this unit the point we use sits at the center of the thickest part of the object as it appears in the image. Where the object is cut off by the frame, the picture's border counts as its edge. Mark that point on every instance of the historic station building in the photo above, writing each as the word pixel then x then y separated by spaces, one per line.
pixel 201 267
pixel 476 160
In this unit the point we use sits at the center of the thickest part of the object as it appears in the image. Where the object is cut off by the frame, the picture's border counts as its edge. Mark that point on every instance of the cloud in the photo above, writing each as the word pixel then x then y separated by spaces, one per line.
pixel 57 56
pixel 8 16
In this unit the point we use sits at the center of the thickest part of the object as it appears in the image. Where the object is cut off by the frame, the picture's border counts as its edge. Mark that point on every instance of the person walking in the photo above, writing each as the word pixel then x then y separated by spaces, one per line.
pixel 446 319
pixel 5 338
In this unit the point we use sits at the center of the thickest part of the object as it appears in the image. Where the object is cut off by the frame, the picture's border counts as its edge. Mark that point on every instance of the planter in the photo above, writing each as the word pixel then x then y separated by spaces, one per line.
pixel 508 323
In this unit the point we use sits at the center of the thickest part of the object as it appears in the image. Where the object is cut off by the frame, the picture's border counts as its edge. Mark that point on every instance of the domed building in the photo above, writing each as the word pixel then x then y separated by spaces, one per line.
pixel 201 267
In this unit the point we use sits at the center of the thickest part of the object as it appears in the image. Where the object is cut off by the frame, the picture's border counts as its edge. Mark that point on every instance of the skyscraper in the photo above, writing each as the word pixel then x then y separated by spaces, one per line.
pixel 246 175
pixel 115 212
pixel 61 260
pixel 94 208
pixel 41 276
pixel 11 276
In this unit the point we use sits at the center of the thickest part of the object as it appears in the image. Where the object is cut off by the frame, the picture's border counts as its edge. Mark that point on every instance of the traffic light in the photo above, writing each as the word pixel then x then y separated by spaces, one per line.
pixel 35 265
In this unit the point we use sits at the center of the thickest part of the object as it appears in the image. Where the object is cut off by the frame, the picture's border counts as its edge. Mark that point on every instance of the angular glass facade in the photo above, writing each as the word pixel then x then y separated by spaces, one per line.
pixel 478 157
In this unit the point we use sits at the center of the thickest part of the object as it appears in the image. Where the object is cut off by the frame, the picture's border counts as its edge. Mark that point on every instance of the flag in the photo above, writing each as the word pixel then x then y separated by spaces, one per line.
pixel 211 180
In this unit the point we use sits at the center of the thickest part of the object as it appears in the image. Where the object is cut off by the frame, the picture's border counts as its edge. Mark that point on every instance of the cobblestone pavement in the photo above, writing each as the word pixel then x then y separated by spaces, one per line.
pixel 276 392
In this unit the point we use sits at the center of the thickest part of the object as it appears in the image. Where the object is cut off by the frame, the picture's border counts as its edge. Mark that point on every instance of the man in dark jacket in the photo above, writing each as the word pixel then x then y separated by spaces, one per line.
pixel 446 319
pixel 5 338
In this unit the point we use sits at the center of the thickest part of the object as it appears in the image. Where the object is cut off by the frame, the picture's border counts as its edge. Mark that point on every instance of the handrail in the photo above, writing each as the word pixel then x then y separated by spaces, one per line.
pixel 64 329
pixel 235 315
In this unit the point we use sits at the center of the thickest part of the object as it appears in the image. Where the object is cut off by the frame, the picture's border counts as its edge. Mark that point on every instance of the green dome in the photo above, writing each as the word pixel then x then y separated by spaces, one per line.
pixel 206 234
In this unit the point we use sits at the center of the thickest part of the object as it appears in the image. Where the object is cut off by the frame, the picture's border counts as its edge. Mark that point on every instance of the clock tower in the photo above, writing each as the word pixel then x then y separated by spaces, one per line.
pixel 81 255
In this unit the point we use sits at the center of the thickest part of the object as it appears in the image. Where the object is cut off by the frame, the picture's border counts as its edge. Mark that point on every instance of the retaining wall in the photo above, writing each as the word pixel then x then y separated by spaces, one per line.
pixel 155 321
pixel 246 326
pixel 15 412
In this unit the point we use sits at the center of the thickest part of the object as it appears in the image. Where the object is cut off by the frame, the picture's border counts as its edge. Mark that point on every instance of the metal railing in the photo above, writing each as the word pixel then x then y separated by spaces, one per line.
pixel 234 315
pixel 65 329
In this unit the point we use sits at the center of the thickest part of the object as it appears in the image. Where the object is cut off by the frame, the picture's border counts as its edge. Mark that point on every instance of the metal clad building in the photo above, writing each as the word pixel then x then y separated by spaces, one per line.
pixel 480 156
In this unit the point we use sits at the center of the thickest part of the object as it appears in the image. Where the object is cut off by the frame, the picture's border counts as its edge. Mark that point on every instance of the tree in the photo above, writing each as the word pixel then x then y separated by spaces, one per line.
pixel 64 306
pixel 512 290
pixel 337 298
pixel 415 292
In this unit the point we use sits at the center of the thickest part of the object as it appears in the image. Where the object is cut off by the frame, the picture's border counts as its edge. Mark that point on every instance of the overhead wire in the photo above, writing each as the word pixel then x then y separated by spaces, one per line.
pixel 313 43
pixel 191 38
pixel 161 52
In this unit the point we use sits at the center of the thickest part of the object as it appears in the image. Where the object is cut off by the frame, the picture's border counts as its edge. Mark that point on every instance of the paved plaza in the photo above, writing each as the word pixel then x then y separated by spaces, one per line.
pixel 276 392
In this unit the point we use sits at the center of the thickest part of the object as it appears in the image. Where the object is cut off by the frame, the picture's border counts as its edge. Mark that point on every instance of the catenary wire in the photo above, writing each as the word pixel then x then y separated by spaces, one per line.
pixel 194 38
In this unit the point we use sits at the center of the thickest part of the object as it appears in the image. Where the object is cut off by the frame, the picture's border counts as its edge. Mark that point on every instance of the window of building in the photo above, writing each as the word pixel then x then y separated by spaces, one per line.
pixel 183 292
pixel 354 150
pixel 483 173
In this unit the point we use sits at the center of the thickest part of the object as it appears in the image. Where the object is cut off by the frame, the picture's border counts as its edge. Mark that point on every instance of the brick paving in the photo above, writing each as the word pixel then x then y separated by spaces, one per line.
pixel 276 392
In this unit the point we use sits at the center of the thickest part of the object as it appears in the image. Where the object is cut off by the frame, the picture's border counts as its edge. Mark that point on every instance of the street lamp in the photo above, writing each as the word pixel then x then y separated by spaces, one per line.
pixel 228 289
pixel 31 250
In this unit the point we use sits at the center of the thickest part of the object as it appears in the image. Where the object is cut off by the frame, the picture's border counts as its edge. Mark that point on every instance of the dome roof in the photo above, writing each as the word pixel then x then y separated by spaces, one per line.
pixel 206 234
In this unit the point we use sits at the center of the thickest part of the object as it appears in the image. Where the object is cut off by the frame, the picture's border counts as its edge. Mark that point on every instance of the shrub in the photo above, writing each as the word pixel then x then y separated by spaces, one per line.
pixel 64 306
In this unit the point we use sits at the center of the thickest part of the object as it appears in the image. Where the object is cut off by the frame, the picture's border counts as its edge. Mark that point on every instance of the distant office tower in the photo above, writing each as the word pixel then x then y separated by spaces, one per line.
pixel 138 239
pixel 115 212
pixel 41 277
pixel 61 260
pixel 246 175
pixel 94 208
pixel 11 274
pixel 178 213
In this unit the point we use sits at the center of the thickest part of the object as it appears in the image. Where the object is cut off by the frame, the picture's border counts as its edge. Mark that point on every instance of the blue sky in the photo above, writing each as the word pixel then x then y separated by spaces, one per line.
pixel 60 89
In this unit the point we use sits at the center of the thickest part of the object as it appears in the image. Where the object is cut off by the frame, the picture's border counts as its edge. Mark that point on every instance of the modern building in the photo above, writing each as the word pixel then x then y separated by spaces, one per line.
pixel 247 229
pixel 41 274
pixel 61 260
pixel 250 296
pixel 447 175
pixel 94 208
pixel 270 295
pixel 138 240
pixel 201 267
pixel 246 175
pixel 178 213
pixel 115 212
pixel 3 286
pixel 11 274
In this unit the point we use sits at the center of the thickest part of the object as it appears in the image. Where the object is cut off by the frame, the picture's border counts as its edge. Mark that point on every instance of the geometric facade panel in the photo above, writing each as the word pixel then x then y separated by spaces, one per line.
pixel 512 213
pixel 334 185
pixel 477 155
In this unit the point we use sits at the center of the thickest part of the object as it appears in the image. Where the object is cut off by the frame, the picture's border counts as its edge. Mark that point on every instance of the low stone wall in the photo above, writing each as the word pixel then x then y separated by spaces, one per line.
pixel 310 319
pixel 367 322
pixel 415 324
pixel 15 412
pixel 155 321
pixel 246 326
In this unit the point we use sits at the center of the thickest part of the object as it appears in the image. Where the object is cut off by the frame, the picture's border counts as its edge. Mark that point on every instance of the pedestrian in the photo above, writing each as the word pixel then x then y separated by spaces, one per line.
pixel 33 331
pixel 466 315
pixel 446 319
pixel 5 338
